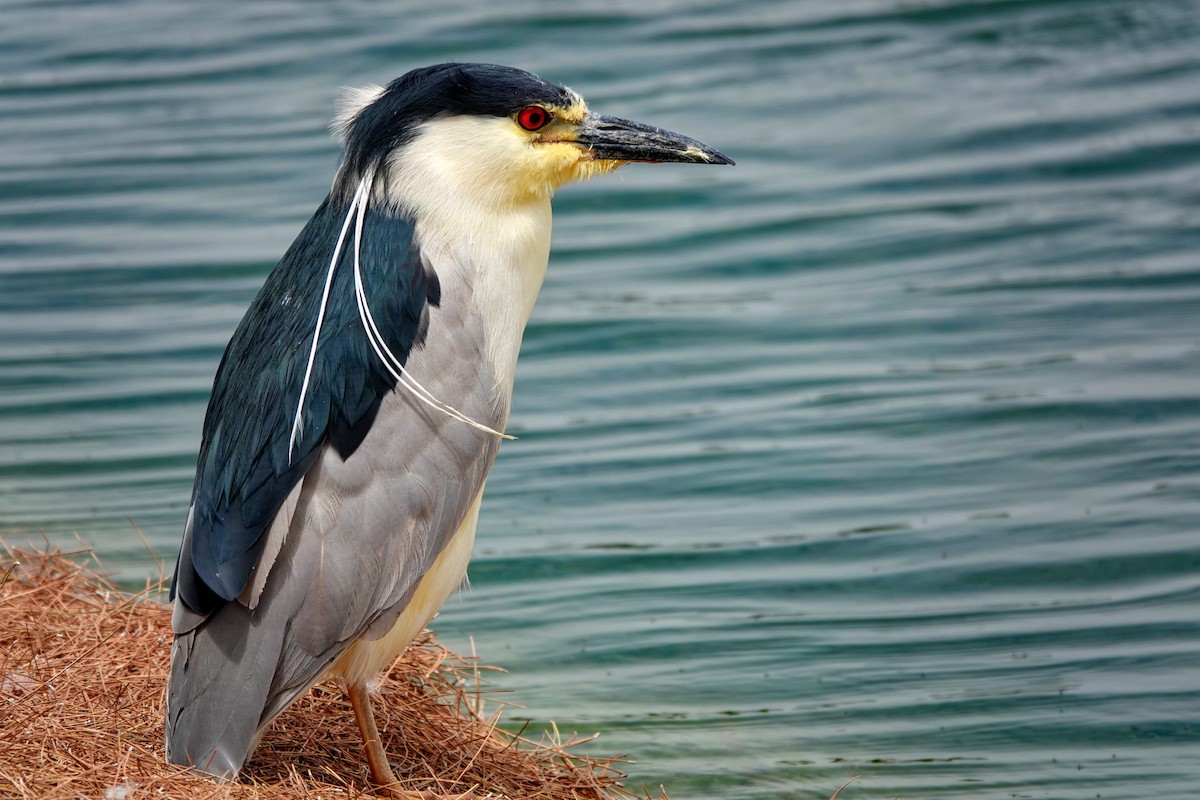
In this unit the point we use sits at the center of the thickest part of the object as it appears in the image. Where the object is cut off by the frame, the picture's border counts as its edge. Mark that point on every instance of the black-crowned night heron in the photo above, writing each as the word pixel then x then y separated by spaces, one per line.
pixel 361 401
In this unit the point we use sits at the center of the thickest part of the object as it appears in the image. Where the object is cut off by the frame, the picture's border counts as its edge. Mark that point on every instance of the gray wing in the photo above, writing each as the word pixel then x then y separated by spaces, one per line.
pixel 346 550
pixel 251 457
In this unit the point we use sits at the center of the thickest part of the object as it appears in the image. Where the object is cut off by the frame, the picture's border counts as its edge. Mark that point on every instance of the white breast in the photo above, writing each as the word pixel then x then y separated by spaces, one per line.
pixel 505 264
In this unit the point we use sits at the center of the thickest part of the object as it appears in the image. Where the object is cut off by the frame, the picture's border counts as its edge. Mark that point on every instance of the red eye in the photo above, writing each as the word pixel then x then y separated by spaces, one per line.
pixel 532 117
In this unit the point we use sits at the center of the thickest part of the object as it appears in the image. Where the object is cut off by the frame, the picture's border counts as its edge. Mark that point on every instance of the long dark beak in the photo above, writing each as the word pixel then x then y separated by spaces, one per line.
pixel 616 139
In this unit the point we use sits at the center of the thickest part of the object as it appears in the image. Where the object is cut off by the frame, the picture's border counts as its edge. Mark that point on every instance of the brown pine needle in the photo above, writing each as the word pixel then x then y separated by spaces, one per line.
pixel 83 668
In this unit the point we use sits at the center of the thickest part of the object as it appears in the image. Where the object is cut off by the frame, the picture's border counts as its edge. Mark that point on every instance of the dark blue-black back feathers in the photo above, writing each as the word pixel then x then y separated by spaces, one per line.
pixel 244 472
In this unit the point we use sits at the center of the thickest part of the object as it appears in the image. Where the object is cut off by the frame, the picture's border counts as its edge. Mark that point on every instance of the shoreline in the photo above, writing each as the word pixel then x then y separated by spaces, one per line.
pixel 83 668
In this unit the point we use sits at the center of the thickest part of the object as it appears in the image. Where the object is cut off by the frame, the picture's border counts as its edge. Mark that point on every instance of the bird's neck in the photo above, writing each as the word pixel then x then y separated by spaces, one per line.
pixel 500 257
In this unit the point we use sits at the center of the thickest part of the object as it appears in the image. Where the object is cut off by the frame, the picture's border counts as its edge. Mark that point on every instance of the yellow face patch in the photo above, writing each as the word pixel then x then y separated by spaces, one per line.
pixel 574 113
pixel 564 161
pixel 555 158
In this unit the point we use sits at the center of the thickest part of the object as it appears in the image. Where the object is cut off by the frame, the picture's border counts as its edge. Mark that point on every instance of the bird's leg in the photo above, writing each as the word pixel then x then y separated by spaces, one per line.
pixel 381 771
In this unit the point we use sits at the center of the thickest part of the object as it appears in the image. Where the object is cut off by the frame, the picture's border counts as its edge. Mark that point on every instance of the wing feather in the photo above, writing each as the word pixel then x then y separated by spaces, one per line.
pixel 245 470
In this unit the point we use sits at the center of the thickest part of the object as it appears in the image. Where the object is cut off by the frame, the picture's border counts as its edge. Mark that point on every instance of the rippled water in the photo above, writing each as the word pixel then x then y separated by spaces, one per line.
pixel 877 454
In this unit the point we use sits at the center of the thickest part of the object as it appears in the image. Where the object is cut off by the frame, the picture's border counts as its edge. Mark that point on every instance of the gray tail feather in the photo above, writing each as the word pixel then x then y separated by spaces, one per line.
pixel 221 675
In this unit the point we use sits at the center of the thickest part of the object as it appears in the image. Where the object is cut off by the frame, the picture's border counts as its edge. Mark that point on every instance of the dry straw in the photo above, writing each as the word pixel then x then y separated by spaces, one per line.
pixel 82 671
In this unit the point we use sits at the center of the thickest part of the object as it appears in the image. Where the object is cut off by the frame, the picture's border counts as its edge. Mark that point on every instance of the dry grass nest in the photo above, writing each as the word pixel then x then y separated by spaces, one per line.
pixel 83 668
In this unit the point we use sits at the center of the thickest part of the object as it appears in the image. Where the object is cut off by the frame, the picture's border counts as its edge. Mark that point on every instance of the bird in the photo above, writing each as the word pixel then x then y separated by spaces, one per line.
pixel 361 401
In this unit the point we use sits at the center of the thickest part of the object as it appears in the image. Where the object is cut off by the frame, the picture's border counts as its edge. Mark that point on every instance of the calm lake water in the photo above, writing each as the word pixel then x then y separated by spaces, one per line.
pixel 877 454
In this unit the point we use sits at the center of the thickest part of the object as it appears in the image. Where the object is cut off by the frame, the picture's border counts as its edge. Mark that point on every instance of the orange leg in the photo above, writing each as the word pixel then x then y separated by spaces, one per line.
pixel 377 760
pixel 381 771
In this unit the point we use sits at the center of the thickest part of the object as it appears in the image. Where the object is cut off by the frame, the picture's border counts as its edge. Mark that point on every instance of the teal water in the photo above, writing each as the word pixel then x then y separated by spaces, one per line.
pixel 878 454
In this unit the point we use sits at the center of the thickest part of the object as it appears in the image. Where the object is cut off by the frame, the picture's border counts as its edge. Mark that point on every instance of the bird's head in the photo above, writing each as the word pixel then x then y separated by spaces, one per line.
pixel 487 134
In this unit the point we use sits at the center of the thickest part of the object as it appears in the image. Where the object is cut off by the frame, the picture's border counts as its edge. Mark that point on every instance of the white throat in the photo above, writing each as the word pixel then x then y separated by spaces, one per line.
pixel 502 258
